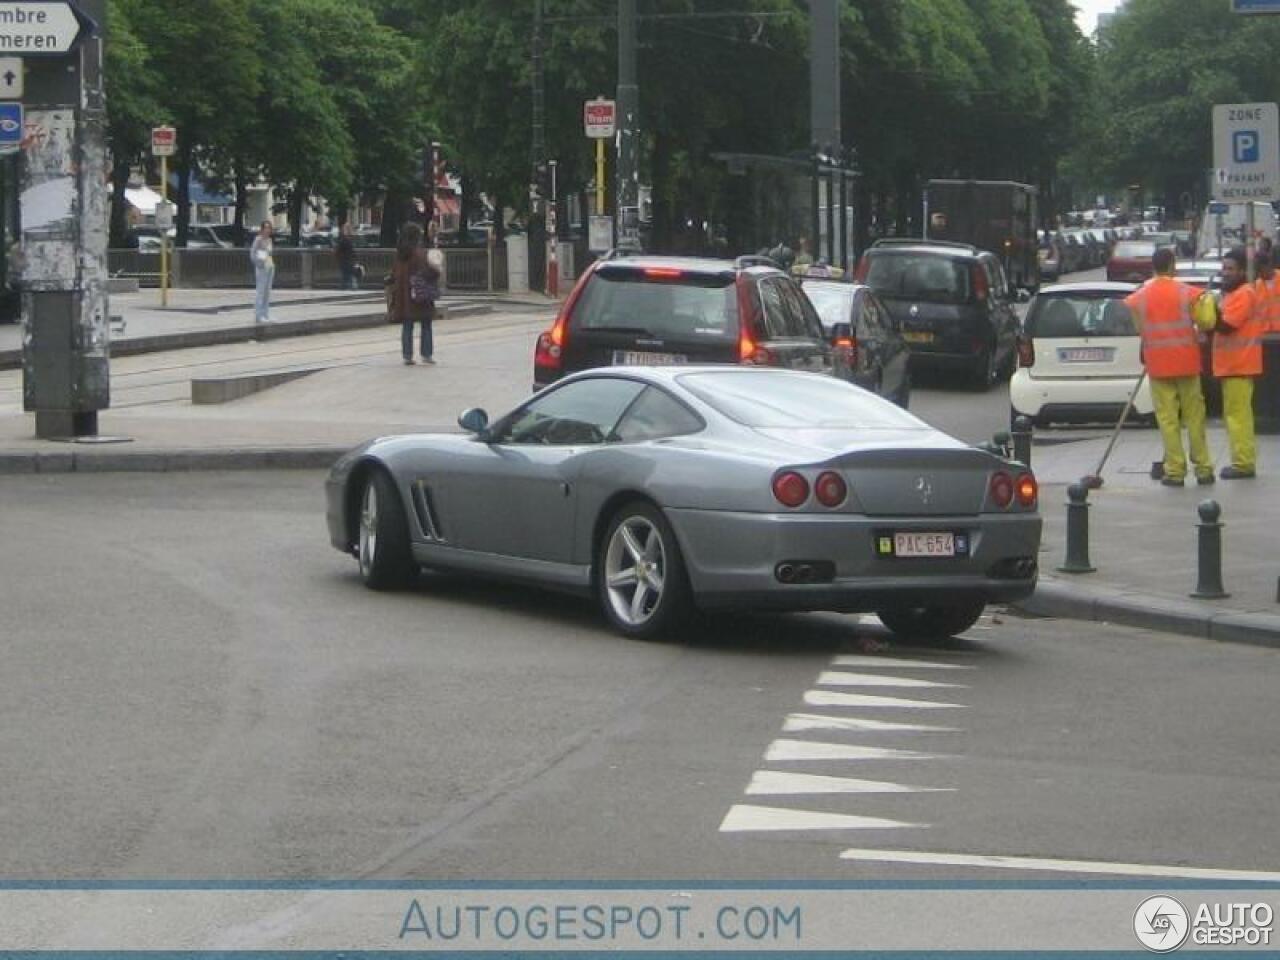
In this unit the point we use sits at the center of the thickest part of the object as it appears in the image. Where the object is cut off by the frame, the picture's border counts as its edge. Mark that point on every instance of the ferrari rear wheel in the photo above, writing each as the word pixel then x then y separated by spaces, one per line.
pixel 641 578
pixel 935 622
pixel 386 561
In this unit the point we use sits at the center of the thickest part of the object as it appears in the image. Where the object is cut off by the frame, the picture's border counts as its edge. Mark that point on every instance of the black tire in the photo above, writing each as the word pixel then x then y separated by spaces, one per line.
pixel 646 618
pixel 986 370
pixel 382 539
pixel 935 622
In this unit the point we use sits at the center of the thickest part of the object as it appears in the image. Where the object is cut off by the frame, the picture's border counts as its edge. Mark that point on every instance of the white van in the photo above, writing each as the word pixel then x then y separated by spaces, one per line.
pixel 1224 225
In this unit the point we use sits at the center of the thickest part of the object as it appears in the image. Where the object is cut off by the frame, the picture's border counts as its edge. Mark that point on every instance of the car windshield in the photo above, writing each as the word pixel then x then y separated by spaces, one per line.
pixel 1133 250
pixel 921 276
pixel 1074 315
pixel 705 310
pixel 834 303
pixel 781 400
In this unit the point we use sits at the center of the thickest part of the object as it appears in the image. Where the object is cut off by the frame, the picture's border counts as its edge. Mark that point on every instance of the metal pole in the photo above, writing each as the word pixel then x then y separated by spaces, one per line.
pixel 164 233
pixel 1209 549
pixel 1077 531
pixel 628 192
pixel 815 203
pixel 1248 243
pixel 600 178
pixel 1022 435
pixel 844 220
pixel 831 213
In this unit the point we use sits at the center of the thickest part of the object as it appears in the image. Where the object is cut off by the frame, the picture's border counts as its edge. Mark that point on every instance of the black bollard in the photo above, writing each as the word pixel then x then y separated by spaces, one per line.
pixel 1077 531
pixel 1209 576
pixel 1022 440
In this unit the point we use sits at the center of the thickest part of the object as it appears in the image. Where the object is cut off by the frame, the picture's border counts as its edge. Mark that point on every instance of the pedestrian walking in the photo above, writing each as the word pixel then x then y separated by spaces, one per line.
pixel 345 251
pixel 1237 359
pixel 264 271
pixel 415 287
pixel 1162 309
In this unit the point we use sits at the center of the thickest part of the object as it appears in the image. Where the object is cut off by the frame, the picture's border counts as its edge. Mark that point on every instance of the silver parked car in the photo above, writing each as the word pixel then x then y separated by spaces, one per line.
pixel 662 488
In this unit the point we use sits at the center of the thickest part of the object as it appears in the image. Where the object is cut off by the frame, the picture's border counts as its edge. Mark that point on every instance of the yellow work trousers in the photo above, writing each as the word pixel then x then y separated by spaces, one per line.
pixel 1179 402
pixel 1237 411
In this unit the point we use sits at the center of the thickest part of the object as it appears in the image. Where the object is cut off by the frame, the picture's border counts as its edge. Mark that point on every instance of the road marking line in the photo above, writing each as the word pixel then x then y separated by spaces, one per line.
pixel 825 698
pixel 744 817
pixel 1057 866
pixel 781 750
pixel 836 678
pixel 775 782
pixel 797 722
pixel 896 662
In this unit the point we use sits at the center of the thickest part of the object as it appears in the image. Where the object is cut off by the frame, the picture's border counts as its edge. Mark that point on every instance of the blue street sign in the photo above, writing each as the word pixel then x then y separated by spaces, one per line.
pixel 1255 6
pixel 1219 208
pixel 10 124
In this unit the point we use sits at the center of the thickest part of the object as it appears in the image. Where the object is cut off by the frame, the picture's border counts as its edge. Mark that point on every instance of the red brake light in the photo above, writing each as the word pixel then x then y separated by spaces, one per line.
pixel 864 267
pixel 1028 490
pixel 790 488
pixel 663 273
pixel 1001 489
pixel 746 347
pixel 830 489
pixel 980 287
pixel 1026 352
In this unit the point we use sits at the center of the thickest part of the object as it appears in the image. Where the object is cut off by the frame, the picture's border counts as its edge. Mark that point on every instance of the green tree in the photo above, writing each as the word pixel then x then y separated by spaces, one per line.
pixel 132 106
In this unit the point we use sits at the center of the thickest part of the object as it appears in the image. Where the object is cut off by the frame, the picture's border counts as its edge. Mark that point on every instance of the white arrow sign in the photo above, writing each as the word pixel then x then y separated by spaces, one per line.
pixel 36 28
pixel 10 78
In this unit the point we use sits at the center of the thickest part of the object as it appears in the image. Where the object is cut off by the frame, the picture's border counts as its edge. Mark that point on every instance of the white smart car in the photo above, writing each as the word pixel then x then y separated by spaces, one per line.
pixel 1078 357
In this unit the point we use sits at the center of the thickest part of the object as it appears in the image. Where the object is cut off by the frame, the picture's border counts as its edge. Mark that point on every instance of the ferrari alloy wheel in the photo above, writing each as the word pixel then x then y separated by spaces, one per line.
pixel 382 545
pixel 641 578
pixel 932 622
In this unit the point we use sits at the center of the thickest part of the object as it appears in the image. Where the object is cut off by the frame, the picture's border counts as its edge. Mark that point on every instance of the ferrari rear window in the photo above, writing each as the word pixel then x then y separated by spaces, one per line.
pixel 769 399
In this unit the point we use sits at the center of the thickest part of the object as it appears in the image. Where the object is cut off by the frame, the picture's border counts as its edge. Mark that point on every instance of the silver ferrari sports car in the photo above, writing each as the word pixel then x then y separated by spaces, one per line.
pixel 660 489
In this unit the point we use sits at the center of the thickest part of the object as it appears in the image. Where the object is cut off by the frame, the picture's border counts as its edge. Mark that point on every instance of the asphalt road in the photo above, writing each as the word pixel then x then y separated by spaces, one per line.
pixel 196 686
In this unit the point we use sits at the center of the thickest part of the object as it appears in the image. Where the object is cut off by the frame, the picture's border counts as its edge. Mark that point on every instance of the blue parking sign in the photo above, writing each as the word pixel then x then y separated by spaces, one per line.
pixel 10 124
pixel 1244 146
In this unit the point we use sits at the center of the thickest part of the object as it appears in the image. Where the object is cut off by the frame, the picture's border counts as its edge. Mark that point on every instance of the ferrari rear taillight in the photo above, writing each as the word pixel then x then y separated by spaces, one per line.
pixel 1027 489
pixel 1026 352
pixel 1001 488
pixel 790 488
pixel 830 489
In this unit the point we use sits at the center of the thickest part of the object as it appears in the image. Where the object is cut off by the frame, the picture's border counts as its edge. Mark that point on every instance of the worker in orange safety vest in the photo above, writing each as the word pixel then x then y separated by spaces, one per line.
pixel 1267 287
pixel 1161 309
pixel 1237 359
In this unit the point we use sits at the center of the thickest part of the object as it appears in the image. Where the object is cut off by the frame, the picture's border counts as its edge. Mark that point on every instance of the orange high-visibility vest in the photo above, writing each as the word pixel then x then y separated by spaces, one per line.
pixel 1269 302
pixel 1239 353
pixel 1162 308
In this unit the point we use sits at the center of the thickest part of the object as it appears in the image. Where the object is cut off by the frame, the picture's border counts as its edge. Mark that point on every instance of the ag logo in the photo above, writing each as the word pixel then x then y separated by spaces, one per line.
pixel 1161 924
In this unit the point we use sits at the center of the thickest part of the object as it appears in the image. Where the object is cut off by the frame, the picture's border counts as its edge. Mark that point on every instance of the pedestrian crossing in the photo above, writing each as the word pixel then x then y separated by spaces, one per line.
pixel 821 771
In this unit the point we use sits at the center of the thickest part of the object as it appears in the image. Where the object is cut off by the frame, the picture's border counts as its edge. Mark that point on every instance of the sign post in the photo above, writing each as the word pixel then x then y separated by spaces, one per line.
pixel 164 142
pixel 63 203
pixel 1246 153
pixel 599 122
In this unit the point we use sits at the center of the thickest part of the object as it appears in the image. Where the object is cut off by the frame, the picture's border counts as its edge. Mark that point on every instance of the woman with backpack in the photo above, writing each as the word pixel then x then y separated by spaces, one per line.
pixel 415 287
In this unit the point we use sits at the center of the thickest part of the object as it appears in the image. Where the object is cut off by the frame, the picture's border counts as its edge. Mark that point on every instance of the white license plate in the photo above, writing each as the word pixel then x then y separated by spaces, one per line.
pixel 924 544
pixel 642 358
pixel 1086 354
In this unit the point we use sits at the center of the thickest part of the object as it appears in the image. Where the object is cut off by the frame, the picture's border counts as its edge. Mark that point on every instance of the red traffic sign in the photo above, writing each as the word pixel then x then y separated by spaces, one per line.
pixel 164 141
pixel 600 118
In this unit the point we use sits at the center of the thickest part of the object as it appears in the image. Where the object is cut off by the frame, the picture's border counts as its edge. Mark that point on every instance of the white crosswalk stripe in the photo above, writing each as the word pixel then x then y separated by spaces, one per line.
pixel 827 698
pixel 744 817
pixel 800 722
pixel 838 678
pixel 896 663
pixel 783 750
pixel 777 782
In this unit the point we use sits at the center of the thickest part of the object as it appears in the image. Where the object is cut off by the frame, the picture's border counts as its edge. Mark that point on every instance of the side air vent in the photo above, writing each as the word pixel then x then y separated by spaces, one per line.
pixel 426 511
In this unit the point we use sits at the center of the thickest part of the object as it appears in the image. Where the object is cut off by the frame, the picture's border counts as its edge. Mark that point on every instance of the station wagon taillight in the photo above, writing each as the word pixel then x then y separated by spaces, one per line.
pixel 864 268
pixel 980 286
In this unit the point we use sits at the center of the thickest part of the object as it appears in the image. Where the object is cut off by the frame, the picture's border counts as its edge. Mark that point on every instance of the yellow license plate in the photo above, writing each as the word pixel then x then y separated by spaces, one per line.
pixel 917 336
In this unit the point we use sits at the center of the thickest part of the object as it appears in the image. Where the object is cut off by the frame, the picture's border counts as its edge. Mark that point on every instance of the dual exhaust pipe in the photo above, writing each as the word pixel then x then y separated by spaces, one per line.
pixel 796 573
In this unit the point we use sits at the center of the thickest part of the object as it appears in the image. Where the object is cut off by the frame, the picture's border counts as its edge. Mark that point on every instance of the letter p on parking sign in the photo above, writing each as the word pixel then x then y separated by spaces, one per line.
pixel 1244 146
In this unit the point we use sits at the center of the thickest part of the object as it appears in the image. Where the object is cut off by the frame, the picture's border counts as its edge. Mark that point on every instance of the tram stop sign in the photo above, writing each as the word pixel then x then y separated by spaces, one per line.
pixel 599 118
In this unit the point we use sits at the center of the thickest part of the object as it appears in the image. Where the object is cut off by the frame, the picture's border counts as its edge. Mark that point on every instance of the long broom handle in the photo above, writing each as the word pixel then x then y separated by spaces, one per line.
pixel 1124 415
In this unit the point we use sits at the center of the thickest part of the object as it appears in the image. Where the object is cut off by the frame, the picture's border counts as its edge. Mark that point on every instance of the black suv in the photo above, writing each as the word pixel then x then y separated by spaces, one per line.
pixel 647 310
pixel 954 302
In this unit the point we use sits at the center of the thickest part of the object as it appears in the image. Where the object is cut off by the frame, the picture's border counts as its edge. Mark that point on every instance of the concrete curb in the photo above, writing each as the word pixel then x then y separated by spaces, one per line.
pixel 169 461
pixel 219 336
pixel 1074 601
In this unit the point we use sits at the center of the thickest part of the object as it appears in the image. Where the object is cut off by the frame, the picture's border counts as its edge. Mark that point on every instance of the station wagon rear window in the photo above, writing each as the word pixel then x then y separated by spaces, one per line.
pixel 695 307
pixel 925 277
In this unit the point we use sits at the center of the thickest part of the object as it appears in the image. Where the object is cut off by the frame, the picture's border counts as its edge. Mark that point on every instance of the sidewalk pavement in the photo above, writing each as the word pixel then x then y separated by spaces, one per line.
pixel 1143 540
pixel 1143 535
pixel 199 318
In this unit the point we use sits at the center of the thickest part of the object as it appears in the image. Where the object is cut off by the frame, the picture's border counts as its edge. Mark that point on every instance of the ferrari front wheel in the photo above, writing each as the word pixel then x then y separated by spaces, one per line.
pixel 382 545
pixel 640 578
